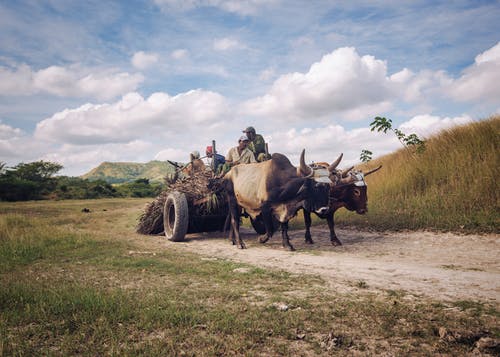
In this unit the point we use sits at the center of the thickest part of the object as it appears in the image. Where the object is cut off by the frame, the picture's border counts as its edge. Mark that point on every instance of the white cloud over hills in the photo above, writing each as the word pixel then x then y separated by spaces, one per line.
pixel 72 81
pixel 133 116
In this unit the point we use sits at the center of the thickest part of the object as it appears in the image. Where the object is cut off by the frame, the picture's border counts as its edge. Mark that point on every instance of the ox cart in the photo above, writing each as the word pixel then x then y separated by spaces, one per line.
pixel 186 206
pixel 183 213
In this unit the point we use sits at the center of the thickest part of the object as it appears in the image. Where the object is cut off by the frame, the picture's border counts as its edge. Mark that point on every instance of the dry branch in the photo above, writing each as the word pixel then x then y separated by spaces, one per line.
pixel 201 200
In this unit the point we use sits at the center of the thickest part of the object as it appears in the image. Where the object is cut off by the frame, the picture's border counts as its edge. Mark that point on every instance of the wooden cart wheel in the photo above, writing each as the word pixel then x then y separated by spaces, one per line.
pixel 175 216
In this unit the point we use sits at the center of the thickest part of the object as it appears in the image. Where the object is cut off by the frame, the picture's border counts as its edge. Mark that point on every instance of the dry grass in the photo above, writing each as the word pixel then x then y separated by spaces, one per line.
pixel 453 185
pixel 77 283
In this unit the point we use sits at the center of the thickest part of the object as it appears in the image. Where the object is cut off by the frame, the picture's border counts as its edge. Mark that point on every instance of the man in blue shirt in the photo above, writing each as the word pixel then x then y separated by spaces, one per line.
pixel 217 159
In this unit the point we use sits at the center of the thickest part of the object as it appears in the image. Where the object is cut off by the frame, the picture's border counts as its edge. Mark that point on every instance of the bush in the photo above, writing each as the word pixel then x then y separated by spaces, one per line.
pixel 140 188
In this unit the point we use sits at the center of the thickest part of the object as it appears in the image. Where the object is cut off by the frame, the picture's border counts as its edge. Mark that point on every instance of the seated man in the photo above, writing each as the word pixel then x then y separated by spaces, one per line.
pixel 195 164
pixel 257 144
pixel 217 159
pixel 239 155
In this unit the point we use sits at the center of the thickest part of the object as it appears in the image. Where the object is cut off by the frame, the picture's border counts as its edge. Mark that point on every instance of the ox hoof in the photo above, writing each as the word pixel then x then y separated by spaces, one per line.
pixel 309 241
pixel 263 239
pixel 336 242
pixel 290 248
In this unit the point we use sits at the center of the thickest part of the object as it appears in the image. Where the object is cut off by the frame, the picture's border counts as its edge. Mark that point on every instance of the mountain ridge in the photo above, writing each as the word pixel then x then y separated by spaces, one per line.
pixel 121 172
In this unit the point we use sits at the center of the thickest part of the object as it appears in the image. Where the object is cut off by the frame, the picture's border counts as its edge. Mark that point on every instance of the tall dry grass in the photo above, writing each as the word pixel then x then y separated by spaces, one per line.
pixel 453 185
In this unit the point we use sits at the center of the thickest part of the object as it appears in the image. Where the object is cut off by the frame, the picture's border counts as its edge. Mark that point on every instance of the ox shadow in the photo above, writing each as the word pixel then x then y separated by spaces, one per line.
pixel 352 239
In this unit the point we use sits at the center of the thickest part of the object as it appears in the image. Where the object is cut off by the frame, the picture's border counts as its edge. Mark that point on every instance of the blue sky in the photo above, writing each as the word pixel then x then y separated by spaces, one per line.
pixel 82 82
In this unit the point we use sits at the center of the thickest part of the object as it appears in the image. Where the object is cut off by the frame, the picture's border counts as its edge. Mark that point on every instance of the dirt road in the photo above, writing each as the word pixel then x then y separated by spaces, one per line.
pixel 441 266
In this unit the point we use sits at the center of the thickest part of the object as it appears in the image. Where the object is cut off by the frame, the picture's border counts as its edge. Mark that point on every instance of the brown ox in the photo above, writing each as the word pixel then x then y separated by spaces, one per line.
pixel 273 189
pixel 349 190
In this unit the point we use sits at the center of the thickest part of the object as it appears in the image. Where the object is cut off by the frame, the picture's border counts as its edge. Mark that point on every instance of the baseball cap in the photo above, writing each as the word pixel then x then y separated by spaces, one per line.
pixel 249 129
pixel 209 150
pixel 243 138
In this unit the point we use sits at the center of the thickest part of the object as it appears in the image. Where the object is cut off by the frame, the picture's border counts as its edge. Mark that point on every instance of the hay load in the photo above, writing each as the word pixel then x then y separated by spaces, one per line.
pixel 202 202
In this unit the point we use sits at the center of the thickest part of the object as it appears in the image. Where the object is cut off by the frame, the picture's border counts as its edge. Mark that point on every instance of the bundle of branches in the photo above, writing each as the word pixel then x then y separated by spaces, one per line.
pixel 151 218
pixel 201 199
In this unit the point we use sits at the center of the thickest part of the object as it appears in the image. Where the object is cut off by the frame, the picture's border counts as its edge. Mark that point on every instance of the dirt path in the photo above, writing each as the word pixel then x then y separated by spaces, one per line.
pixel 441 266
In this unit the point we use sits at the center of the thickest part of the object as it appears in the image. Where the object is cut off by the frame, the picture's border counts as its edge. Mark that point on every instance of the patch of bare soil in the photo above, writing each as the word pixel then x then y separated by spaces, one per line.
pixel 444 266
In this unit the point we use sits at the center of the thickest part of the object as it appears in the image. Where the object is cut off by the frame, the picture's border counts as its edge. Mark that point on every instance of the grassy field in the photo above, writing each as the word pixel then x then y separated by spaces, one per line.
pixel 77 283
pixel 452 186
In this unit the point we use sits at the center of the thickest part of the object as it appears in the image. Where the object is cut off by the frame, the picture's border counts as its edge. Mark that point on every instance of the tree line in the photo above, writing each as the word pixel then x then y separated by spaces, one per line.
pixel 37 181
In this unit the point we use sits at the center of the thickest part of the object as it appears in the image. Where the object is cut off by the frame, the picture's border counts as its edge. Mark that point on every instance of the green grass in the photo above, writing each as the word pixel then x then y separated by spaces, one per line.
pixel 78 283
pixel 452 186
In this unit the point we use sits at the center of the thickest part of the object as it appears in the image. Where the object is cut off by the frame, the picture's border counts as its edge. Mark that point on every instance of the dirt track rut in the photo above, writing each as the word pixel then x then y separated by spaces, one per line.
pixel 442 266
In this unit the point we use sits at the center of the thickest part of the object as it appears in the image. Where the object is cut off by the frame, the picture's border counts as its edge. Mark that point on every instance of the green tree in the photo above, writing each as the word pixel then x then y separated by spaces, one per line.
pixel 366 155
pixel 381 124
pixel 140 188
pixel 29 181
pixel 37 171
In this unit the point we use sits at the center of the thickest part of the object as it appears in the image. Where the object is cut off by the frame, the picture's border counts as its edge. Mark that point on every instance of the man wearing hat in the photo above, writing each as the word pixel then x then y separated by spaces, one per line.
pixel 239 154
pixel 218 160
pixel 257 144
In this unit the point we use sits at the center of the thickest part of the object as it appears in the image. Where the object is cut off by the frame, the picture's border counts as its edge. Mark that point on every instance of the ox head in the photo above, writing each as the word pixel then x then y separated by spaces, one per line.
pixel 316 195
pixel 321 172
pixel 352 190
pixel 317 183
pixel 324 169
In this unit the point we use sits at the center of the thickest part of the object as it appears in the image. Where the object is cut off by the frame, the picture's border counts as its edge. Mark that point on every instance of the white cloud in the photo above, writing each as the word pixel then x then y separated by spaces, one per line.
pixel 173 154
pixel 18 81
pixel 78 160
pixel 328 142
pixel 426 125
pixel 352 87
pixel 224 44
pixel 72 81
pixel 143 60
pixel 17 146
pixel 341 82
pixel 133 116
pixel 420 87
pixel 479 82
pixel 179 54
pixel 267 74
pixel 491 55
pixel 245 8
pixel 8 132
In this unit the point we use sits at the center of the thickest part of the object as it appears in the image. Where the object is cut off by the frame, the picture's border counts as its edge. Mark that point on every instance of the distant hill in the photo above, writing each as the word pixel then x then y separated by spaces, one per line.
pixel 119 172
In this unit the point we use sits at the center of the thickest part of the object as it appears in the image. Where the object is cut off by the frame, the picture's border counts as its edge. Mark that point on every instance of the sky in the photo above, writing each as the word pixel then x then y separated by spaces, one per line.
pixel 83 82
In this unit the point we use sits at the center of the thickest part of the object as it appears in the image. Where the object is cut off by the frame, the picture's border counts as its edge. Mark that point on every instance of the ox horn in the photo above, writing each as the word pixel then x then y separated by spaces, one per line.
pixel 335 163
pixel 372 171
pixel 304 169
pixel 347 180
pixel 345 172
